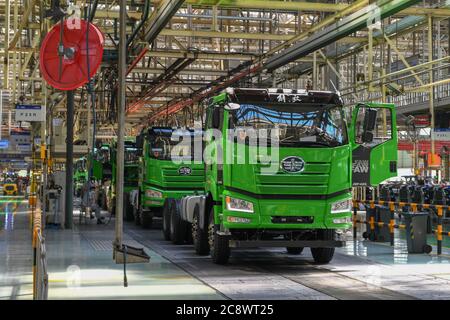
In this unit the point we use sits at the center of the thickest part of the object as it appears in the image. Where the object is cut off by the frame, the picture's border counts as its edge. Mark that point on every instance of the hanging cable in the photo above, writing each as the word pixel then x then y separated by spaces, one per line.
pixel 90 90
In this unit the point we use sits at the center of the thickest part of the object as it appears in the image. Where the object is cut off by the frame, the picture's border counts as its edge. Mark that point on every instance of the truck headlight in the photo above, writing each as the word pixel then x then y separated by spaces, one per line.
pixel 342 206
pixel 342 220
pixel 234 204
pixel 153 194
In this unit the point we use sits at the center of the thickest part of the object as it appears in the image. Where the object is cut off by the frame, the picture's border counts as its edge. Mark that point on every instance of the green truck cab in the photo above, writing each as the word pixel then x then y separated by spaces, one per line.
pixel 293 189
pixel 80 175
pixel 164 175
pixel 100 162
pixel 131 175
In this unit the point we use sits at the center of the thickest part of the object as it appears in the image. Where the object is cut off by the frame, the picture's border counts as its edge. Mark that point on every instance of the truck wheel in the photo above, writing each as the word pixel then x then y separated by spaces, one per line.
pixel 127 208
pixel 322 255
pixel 146 217
pixel 294 250
pixel 166 220
pixel 199 236
pixel 178 227
pixel 219 246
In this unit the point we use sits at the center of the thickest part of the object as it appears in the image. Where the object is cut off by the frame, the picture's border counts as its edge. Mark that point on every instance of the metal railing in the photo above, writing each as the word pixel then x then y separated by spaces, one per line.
pixel 394 206
pixel 40 276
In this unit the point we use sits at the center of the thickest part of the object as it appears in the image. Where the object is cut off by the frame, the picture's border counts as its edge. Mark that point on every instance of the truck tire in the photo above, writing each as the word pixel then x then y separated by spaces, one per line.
pixel 166 220
pixel 199 236
pixel 127 208
pixel 178 227
pixel 294 250
pixel 323 255
pixel 146 217
pixel 219 246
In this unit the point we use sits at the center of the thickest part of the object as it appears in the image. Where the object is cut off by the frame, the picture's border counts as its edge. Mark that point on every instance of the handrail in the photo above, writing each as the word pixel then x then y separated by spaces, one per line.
pixel 412 207
pixel 40 276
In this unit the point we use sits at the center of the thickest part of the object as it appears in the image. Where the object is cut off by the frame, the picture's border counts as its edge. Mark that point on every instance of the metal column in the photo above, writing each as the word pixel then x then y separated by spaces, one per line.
pixel 69 162
pixel 6 58
pixel 431 88
pixel 121 123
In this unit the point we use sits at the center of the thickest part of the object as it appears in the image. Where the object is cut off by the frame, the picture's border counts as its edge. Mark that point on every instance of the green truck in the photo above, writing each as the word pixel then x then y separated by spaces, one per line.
pixel 294 189
pixel 131 175
pixel 100 167
pixel 80 175
pixel 101 163
pixel 165 177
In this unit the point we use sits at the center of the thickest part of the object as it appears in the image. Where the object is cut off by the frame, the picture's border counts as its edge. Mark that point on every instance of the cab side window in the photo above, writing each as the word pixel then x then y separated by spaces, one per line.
pixel 383 127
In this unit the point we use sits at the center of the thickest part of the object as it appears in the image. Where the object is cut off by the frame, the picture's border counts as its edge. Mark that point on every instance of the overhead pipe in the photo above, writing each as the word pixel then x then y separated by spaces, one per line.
pixel 93 10
pixel 166 13
pixel 141 23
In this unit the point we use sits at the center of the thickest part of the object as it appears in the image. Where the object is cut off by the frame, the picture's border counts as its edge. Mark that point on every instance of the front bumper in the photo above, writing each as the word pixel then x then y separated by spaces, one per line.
pixel 152 202
pixel 286 214
pixel 287 243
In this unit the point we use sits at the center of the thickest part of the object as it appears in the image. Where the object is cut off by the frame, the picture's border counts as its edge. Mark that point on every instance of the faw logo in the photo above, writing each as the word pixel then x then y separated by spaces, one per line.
pixel 360 166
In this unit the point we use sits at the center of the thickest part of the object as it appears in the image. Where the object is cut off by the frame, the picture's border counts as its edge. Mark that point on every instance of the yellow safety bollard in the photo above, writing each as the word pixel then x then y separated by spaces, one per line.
pixel 439 229
pixel 392 221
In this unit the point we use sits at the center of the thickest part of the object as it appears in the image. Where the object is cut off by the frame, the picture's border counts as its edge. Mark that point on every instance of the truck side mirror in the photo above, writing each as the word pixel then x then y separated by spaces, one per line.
pixel 216 118
pixel 370 119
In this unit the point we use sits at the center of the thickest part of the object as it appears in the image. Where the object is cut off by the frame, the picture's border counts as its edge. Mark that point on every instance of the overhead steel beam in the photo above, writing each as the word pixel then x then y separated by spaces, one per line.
pixel 23 24
pixel 162 82
pixel 206 72
pixel 201 55
pixel 242 35
pixel 338 30
pixel 302 6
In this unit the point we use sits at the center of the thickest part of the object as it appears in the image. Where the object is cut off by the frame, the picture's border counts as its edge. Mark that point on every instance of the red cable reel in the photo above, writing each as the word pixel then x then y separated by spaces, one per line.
pixel 66 68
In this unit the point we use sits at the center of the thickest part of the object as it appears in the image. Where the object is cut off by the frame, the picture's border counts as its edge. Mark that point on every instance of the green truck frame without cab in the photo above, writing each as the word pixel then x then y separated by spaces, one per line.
pixel 302 197
pixel 168 171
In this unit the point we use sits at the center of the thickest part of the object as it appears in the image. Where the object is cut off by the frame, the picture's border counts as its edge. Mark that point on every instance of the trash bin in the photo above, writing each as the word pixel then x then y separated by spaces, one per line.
pixel 383 232
pixel 416 232
pixel 380 233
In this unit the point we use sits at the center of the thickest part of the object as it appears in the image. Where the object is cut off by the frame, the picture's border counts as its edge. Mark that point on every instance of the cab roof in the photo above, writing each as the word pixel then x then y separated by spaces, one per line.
pixel 284 96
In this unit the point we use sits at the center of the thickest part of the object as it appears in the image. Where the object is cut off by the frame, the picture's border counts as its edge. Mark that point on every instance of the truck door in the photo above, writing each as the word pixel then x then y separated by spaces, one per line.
pixel 374 143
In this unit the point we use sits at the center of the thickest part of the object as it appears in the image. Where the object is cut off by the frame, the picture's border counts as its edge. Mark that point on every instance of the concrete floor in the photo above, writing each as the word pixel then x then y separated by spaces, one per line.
pixel 81 267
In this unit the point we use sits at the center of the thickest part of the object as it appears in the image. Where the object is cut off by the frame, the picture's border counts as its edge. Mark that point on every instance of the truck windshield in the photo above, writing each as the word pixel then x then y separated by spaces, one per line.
pixel 168 147
pixel 102 154
pixel 131 155
pixel 131 175
pixel 295 125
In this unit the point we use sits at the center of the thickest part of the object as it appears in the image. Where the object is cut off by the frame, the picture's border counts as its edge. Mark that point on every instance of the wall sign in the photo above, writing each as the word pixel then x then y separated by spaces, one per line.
pixel 30 113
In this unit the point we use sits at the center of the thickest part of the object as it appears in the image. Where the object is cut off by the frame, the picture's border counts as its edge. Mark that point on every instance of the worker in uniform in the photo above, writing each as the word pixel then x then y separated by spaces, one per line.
pixel 89 199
